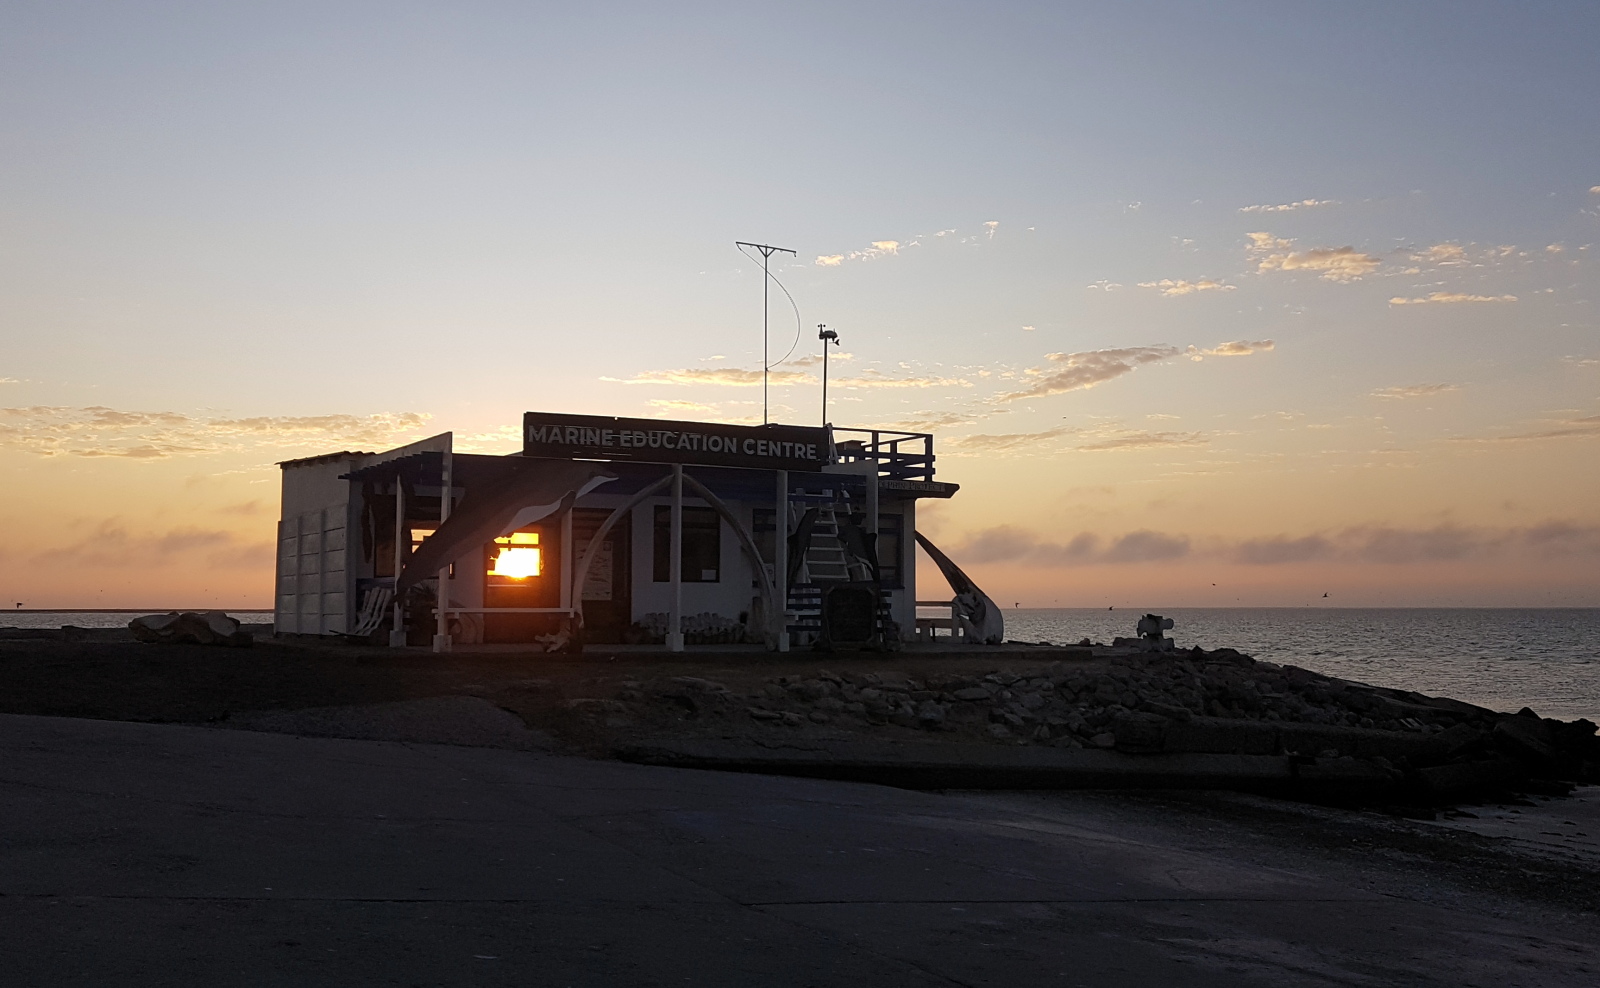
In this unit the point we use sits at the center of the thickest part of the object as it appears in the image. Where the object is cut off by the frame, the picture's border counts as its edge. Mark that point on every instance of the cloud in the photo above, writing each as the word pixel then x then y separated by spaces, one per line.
pixel 929 421
pixel 1261 242
pixel 1169 287
pixel 1572 427
pixel 1085 369
pixel 1034 441
pixel 733 377
pixel 1099 438
pixel 110 545
pixel 1074 371
pixel 1393 545
pixel 679 406
pixel 1146 547
pixel 879 248
pixel 98 431
pixel 1239 348
pixel 1144 440
pixel 1281 549
pixel 1416 391
pixel 872 378
pixel 1448 298
pixel 1446 254
pixel 1010 543
pixel 992 225
pixel 815 359
pixel 1376 544
pixel 1335 263
pixel 1383 544
pixel 1289 206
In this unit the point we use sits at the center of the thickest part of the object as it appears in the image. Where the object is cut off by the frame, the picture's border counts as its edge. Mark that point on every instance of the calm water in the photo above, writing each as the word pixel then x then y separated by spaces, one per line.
pixel 1547 659
pixel 104 619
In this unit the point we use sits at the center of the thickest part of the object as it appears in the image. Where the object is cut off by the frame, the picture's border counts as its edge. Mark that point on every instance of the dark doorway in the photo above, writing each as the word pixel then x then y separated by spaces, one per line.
pixel 607 588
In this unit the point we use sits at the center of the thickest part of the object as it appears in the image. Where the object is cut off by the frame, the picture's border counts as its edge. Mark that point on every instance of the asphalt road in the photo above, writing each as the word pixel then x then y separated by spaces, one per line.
pixel 139 854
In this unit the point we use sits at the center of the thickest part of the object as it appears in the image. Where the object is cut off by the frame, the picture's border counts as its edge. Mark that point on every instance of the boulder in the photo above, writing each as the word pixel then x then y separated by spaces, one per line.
pixel 1525 736
pixel 190 627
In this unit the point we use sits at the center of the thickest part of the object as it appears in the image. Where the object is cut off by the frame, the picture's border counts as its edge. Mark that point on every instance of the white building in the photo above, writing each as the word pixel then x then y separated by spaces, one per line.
pixel 515 546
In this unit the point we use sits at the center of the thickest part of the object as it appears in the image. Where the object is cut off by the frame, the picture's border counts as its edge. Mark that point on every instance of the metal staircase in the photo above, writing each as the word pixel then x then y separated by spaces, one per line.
pixel 826 563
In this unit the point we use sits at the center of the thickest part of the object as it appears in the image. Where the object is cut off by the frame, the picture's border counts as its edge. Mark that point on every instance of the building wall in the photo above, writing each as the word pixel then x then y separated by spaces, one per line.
pixel 731 595
pixel 314 584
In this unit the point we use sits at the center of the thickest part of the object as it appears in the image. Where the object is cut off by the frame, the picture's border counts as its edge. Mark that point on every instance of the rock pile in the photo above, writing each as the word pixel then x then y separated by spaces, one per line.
pixel 192 627
pixel 1194 701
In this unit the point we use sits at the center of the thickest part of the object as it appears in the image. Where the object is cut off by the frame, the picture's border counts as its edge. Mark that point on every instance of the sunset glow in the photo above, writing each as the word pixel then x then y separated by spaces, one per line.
pixel 1231 307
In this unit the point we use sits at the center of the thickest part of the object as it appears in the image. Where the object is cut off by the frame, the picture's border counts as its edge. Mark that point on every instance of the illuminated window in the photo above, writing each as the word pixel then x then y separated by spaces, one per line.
pixel 517 556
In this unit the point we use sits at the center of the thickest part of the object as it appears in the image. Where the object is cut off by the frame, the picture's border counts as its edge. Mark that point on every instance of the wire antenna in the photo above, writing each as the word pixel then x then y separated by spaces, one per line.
pixel 766 278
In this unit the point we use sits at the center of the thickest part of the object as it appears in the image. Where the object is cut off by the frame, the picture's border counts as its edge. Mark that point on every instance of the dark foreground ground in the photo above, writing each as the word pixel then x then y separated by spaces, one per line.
pixel 139 854
pixel 184 853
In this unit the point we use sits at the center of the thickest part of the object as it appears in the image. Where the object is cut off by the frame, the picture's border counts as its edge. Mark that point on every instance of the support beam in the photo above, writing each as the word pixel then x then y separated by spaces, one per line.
pixel 441 635
pixel 675 563
pixel 397 632
pixel 569 590
pixel 872 502
pixel 780 561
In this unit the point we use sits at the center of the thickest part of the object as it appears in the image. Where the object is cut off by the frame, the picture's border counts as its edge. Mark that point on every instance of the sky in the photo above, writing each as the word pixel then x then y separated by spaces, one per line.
pixel 1235 304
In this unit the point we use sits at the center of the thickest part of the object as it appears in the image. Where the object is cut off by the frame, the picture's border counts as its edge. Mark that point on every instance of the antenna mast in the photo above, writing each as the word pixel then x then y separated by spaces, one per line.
pixel 766 252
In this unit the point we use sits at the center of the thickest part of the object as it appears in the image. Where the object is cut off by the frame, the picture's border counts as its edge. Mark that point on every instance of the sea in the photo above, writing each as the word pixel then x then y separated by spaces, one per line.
pixel 1547 659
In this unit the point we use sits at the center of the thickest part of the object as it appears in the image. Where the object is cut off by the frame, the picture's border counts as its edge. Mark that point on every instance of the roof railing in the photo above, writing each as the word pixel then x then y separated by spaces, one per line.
pixel 899 455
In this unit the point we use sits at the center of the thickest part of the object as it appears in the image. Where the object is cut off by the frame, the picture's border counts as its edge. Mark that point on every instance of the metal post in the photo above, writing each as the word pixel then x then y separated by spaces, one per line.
pixel 675 563
pixel 766 254
pixel 872 502
pixel 827 336
pixel 397 633
pixel 765 311
pixel 569 590
pixel 780 561
pixel 441 635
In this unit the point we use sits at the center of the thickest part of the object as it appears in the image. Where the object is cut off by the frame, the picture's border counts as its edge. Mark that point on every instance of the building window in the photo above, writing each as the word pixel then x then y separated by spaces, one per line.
pixel 518 556
pixel 523 569
pixel 702 545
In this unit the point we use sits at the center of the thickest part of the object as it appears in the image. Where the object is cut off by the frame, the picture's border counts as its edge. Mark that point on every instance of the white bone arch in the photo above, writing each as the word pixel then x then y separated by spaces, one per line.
pixel 769 591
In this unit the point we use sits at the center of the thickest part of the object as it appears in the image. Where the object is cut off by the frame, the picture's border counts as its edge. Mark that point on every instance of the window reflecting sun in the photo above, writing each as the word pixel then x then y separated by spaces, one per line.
pixel 518 556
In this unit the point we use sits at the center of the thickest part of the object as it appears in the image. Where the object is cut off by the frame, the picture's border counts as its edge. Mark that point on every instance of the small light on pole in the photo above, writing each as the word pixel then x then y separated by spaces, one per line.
pixel 827 336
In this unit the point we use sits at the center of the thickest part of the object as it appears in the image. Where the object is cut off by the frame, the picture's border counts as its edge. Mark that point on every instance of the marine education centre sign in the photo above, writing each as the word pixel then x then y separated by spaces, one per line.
pixel 600 437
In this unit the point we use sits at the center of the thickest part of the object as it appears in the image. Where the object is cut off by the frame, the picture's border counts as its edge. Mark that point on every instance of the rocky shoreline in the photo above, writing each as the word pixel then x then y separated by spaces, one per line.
pixel 1378 742
pixel 987 717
